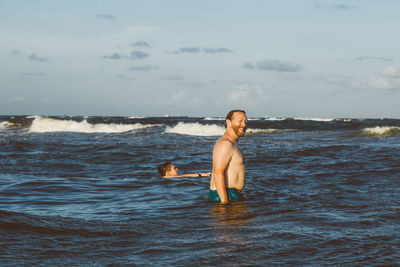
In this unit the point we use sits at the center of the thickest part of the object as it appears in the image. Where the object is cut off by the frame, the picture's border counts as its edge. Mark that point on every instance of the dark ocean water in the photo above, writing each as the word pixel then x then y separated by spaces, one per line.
pixel 84 191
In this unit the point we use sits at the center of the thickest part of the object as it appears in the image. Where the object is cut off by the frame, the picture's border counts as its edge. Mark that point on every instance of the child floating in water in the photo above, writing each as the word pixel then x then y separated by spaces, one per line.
pixel 168 170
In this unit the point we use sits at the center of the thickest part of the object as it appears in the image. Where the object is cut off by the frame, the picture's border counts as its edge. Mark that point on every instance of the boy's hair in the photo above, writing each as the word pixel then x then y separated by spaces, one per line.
pixel 230 114
pixel 163 168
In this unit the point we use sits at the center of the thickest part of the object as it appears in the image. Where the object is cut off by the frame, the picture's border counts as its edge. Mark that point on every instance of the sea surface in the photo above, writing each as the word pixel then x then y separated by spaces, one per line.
pixel 84 191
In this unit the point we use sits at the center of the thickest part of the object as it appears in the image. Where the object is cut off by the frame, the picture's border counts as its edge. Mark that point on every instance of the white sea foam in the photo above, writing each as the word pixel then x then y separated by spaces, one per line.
pixel 314 119
pixel 381 131
pixel 196 129
pixel 42 124
pixel 344 120
pixel 136 117
pixel 258 131
pixel 274 119
pixel 214 119
pixel 5 124
pixel 222 119
pixel 208 130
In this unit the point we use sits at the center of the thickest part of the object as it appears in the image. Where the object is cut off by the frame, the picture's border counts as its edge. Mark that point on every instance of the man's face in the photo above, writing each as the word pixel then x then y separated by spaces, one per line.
pixel 239 123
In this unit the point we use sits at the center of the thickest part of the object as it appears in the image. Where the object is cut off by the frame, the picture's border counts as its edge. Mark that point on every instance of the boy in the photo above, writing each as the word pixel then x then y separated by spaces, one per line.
pixel 168 170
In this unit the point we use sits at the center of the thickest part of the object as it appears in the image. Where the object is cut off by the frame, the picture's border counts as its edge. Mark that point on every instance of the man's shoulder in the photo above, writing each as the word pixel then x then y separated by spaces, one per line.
pixel 224 142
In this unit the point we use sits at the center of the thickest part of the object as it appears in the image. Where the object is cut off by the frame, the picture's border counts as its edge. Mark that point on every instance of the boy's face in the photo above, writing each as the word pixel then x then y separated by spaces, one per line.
pixel 173 171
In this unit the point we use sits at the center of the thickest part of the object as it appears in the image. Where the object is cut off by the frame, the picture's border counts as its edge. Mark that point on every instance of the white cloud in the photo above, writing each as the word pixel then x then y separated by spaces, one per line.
pixel 177 97
pixel 19 99
pixel 379 83
pixel 389 80
pixel 391 71
pixel 248 93
pixel 238 95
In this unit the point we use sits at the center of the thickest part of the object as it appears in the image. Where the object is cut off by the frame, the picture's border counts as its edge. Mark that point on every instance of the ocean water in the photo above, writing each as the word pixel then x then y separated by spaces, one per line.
pixel 84 191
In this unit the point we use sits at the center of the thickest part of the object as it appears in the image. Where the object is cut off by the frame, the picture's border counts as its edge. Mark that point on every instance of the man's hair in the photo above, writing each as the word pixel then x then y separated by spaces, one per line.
pixel 229 116
pixel 163 168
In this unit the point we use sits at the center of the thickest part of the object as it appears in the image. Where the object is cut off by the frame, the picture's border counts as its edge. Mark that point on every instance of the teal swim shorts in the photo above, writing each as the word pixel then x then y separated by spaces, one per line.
pixel 233 195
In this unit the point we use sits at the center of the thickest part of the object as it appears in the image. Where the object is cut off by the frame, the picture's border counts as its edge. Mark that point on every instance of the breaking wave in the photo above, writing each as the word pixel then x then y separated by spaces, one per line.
pixel 196 129
pixel 208 130
pixel 314 119
pixel 261 131
pixel 42 125
pixel 6 124
pixel 381 131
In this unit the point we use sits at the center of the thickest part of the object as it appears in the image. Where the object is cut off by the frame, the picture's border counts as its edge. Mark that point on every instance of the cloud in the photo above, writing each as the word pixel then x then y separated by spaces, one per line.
pixel 15 52
pixel 106 17
pixel 182 98
pixel 389 80
pixel 144 68
pixel 216 50
pixel 197 50
pixel 331 78
pixel 191 50
pixel 332 82
pixel 391 71
pixel 115 56
pixel 274 65
pixel 248 65
pixel 174 77
pixel 248 94
pixel 138 55
pixel 374 58
pixel 343 7
pixel 133 56
pixel 238 95
pixel 177 97
pixel 141 44
pixel 18 99
pixel 36 58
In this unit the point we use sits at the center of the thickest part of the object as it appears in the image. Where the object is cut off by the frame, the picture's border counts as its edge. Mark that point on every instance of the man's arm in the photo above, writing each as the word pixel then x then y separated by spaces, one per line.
pixel 222 155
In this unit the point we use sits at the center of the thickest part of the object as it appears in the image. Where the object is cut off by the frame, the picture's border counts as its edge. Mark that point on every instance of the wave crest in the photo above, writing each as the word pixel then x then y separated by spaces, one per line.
pixel 208 130
pixel 42 125
pixel 6 124
pixel 261 131
pixel 381 131
pixel 196 129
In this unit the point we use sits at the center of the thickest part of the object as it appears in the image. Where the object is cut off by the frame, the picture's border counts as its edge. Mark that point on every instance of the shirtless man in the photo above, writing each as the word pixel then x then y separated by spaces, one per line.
pixel 228 175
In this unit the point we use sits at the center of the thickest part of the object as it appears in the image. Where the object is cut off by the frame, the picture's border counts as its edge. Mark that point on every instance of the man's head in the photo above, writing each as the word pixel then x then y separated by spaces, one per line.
pixel 167 169
pixel 237 120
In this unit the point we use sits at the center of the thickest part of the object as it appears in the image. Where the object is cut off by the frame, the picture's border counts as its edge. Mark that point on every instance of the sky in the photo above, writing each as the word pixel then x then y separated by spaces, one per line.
pixel 297 58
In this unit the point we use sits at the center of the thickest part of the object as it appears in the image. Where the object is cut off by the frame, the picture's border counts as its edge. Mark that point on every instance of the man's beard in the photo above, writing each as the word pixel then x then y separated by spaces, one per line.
pixel 237 132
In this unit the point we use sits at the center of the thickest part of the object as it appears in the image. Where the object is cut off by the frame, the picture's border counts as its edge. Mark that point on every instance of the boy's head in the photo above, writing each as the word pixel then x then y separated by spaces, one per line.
pixel 167 169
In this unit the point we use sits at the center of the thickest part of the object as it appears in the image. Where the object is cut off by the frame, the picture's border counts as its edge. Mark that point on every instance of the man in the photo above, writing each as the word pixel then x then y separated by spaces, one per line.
pixel 228 175
pixel 168 170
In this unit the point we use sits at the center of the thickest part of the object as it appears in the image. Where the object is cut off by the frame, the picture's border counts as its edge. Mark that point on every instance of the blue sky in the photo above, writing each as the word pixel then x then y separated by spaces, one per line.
pixel 283 58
